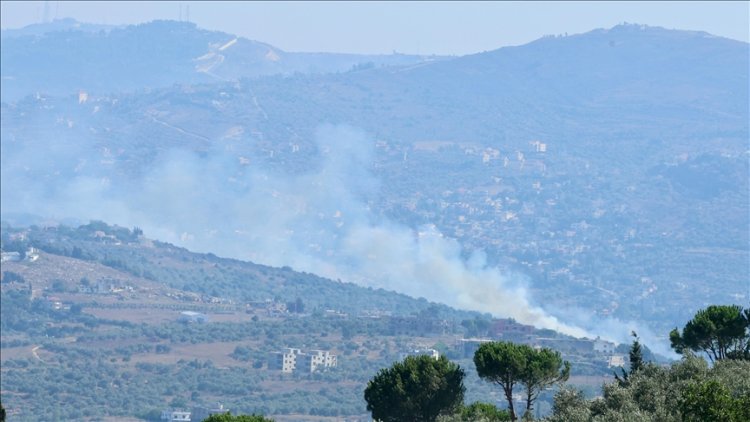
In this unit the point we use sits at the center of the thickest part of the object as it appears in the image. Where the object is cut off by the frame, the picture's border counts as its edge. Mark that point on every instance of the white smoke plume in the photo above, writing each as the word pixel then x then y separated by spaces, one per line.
pixel 319 222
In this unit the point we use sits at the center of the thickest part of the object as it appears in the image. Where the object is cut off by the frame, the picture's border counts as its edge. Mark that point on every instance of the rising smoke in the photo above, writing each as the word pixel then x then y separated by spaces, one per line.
pixel 318 222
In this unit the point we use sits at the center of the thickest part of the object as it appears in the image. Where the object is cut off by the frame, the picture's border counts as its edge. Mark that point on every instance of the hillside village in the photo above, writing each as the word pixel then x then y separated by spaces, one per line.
pixel 111 296
pixel 608 190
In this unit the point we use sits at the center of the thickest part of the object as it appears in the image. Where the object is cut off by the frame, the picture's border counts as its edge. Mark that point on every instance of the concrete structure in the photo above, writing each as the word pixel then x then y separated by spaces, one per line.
pixel 201 413
pixel 509 327
pixel 604 346
pixel 284 361
pixel 318 359
pixel 616 361
pixel 175 416
pixel 292 360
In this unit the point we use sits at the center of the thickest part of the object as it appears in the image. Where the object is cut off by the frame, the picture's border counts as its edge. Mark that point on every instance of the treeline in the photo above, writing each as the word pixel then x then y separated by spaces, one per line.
pixel 426 389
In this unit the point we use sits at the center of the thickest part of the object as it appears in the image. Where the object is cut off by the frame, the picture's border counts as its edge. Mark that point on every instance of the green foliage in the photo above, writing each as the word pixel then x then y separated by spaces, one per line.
pixel 688 390
pixel 635 355
pixel 570 405
pixel 418 389
pixel 508 364
pixel 226 278
pixel 476 327
pixel 720 331
pixel 485 412
pixel 544 367
pixel 228 417
pixel 297 306
pixel 502 363
pixel 712 401
pixel 11 277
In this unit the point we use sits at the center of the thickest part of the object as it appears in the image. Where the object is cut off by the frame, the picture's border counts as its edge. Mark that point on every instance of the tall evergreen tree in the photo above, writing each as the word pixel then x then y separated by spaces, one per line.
pixel 720 331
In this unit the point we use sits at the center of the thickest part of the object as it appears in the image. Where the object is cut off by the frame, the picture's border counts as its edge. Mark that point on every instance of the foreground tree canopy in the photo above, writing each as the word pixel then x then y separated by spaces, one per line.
pixel 418 389
pixel 688 390
pixel 719 331
pixel 508 364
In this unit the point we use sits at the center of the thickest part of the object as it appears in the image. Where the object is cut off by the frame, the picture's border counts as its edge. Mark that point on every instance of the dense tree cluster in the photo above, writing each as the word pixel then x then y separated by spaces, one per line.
pixel 418 389
pixel 423 389
pixel 688 390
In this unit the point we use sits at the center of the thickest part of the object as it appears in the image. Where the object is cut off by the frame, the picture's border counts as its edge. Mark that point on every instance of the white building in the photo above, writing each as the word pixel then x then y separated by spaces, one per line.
pixel 603 346
pixel 317 359
pixel 175 416
pixel 292 360
pixel 616 361
pixel 285 361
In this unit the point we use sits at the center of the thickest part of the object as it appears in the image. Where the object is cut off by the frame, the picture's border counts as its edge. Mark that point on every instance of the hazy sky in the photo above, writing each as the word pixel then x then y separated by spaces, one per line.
pixel 406 27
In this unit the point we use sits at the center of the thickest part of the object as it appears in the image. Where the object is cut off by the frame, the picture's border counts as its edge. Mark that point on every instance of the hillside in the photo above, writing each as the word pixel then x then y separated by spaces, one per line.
pixel 601 177
pixel 64 57
pixel 93 326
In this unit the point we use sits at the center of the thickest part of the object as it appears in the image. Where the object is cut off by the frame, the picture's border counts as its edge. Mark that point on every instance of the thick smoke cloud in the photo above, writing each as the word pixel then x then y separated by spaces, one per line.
pixel 318 222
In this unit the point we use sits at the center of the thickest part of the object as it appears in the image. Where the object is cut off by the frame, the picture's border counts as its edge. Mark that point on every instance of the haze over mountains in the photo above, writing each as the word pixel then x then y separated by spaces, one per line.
pixel 597 181
pixel 151 55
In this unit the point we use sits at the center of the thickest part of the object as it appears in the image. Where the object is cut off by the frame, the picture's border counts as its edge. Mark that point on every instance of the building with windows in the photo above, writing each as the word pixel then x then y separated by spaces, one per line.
pixel 604 346
pixel 292 360
pixel 315 360
pixel 285 361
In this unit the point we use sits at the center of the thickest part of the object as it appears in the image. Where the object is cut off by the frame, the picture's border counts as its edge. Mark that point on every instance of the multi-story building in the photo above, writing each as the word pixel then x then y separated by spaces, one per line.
pixel 604 346
pixel 292 360
pixel 318 359
pixel 285 361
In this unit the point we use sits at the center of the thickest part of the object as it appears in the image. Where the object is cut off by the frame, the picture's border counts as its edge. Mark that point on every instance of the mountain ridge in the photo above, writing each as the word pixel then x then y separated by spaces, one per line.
pixel 577 180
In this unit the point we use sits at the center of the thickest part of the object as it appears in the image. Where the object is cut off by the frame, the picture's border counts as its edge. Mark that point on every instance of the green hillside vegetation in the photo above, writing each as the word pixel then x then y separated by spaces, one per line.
pixel 641 184
pixel 123 351
pixel 90 321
